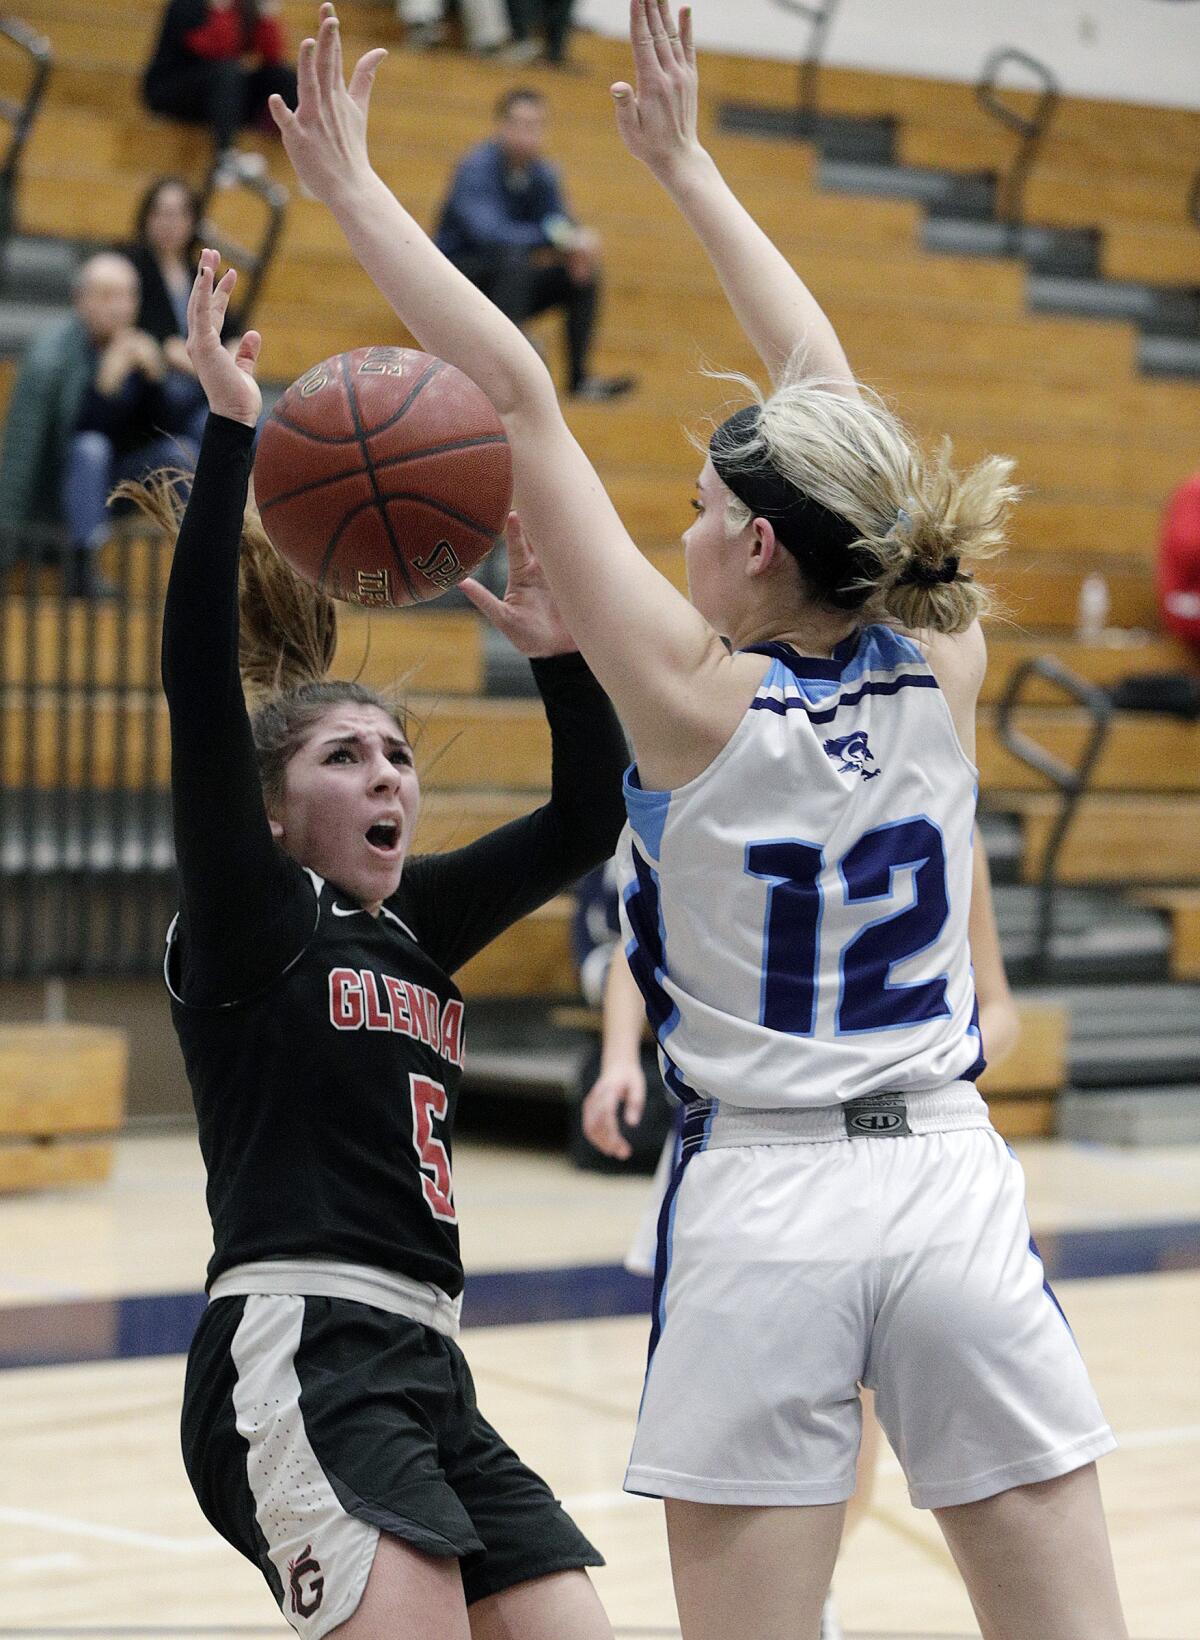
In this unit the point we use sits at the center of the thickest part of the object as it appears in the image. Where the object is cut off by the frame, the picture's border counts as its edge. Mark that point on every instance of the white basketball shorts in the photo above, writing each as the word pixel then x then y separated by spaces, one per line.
pixel 797 1263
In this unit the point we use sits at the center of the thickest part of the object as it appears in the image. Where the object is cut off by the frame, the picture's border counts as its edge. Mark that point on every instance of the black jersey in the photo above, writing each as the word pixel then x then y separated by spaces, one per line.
pixel 325 1046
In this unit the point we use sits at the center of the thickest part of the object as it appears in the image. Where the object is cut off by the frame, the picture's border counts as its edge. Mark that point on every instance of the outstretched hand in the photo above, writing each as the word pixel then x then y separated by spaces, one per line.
pixel 527 614
pixel 228 380
pixel 326 137
pixel 657 117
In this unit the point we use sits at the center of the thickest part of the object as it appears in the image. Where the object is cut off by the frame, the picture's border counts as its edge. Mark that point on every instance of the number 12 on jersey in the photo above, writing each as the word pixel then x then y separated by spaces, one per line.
pixel 867 1001
pixel 429 1102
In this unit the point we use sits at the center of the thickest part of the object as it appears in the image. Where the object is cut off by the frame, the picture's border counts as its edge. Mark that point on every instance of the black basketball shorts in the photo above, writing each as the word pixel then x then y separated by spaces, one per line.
pixel 311 1425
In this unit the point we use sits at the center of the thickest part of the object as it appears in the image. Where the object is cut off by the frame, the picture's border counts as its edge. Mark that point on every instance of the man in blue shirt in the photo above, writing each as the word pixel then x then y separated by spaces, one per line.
pixel 506 225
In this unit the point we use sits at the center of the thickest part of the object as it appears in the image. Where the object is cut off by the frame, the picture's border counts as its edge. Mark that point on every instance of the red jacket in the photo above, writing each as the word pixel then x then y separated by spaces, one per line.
pixel 222 36
pixel 1178 575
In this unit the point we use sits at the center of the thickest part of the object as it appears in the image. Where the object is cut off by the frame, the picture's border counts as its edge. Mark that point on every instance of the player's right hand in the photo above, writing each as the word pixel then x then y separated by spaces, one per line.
pixel 326 137
pixel 228 381
pixel 614 1092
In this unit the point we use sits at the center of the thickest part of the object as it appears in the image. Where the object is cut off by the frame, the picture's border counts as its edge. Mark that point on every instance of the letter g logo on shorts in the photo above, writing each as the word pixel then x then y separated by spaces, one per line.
pixel 306 1601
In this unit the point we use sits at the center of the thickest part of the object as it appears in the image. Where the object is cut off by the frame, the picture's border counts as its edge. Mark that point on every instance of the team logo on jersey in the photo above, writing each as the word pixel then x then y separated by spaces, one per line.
pixel 879 1116
pixel 854 754
pixel 305 1601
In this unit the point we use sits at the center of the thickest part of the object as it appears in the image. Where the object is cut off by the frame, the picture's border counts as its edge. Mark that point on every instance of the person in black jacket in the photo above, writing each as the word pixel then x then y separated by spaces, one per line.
pixel 165 251
pixel 330 1428
pixel 215 64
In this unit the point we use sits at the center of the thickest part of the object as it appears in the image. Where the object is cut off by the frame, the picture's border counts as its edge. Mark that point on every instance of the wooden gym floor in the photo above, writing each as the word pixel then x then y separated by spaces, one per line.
pixel 99 1534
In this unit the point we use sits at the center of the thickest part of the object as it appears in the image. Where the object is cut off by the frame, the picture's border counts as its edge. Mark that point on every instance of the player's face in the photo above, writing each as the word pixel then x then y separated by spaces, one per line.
pixel 711 556
pixel 350 802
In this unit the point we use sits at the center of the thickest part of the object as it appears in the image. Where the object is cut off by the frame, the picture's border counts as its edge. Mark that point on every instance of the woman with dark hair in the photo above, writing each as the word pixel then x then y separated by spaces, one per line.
pixel 164 251
pixel 198 72
pixel 330 1427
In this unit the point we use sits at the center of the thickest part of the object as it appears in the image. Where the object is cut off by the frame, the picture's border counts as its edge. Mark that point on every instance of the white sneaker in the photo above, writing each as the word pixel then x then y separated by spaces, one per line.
pixel 831 1629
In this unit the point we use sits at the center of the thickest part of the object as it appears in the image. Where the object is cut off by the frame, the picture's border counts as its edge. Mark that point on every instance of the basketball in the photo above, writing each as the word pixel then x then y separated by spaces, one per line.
pixel 383 476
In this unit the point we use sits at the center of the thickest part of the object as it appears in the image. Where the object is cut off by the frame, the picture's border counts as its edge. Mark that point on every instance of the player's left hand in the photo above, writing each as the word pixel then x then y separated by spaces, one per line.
pixel 657 115
pixel 527 614
pixel 326 137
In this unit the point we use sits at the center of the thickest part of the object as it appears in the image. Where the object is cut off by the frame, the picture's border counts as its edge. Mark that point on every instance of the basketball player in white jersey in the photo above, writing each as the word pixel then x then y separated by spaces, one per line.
pixel 799 868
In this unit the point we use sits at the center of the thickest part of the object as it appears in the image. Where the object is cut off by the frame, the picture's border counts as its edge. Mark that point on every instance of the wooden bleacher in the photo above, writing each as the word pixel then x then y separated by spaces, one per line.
pixel 947 338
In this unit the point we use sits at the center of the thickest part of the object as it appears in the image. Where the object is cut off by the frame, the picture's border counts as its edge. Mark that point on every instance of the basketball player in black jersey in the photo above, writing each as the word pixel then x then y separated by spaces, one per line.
pixel 329 1426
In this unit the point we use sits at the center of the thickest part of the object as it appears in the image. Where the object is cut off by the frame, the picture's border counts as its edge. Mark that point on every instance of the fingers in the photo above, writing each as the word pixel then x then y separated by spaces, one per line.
pixel 600 1124
pixel 641 37
pixel 520 550
pixel 220 297
pixel 308 99
pixel 626 109
pixel 326 56
pixel 200 301
pixel 672 30
pixel 362 81
pixel 685 36
pixel 658 21
pixel 635 1103
pixel 489 606
pixel 246 357
pixel 280 113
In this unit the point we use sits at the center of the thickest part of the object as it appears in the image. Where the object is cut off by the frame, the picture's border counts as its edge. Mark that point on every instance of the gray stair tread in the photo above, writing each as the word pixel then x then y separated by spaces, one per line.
pixel 1133 1116
pixel 1170 355
pixel 20 322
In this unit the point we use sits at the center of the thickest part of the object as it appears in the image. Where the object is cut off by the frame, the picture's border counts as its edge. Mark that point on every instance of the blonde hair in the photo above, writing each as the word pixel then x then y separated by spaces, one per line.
pixel 912 511
pixel 287 635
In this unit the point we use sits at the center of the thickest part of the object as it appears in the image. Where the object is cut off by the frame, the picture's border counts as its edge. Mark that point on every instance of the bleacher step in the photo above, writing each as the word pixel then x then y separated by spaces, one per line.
pixel 1073 251
pixel 1174 356
pixel 962 196
pixel 1161 309
pixel 37 268
pixel 1138 1116
pixel 838 136
pixel 1095 938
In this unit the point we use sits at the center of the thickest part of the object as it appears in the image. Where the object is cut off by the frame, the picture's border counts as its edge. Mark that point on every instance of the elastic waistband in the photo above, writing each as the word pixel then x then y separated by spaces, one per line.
pixel 360 1283
pixel 886 1115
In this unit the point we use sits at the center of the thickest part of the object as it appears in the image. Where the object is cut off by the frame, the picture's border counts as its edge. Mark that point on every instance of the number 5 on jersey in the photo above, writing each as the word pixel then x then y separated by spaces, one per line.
pixel 429 1103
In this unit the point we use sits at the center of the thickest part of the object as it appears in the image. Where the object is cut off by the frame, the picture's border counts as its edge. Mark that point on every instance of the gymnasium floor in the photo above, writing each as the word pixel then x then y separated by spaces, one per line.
pixel 99 1534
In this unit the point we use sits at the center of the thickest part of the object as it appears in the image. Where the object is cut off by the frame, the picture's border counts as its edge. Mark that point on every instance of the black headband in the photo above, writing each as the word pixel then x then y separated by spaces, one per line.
pixel 817 538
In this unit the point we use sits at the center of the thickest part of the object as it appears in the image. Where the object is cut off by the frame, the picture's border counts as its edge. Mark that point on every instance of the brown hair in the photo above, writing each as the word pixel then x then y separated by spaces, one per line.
pixel 287 636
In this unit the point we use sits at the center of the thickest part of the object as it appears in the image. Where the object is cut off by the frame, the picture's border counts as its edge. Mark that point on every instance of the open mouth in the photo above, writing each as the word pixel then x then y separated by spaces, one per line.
pixel 384 836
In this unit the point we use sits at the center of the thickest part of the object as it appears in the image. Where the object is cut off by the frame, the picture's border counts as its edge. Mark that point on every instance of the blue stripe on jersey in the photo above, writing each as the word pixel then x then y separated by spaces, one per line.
pixel 872 649
pixel 647 811
pixel 797 703
pixel 980 1065
pixel 647 957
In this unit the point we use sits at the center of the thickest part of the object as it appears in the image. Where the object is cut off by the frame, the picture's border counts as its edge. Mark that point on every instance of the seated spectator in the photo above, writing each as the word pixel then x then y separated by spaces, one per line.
pixel 165 251
pixel 90 406
pixel 1178 575
pixel 485 25
pixel 215 64
pixel 506 226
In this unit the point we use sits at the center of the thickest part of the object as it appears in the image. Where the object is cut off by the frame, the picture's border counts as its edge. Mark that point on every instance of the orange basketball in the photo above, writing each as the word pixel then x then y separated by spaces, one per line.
pixel 383 476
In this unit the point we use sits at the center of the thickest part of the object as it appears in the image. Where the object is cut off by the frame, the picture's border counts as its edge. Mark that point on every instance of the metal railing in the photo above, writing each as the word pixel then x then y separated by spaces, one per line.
pixel 819 14
pixel 20 114
pixel 1071 783
pixel 1030 128
pixel 86 864
pixel 252 261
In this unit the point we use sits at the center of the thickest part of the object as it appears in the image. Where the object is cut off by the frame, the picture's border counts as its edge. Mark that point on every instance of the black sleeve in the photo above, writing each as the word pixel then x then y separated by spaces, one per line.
pixel 246 910
pixel 458 902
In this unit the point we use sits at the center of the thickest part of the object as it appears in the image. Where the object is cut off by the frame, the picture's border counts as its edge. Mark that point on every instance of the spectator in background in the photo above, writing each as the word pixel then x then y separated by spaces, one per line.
pixel 1178 576
pixel 166 252
pixel 506 225
pixel 216 63
pixel 552 18
pixel 485 25
pixel 91 406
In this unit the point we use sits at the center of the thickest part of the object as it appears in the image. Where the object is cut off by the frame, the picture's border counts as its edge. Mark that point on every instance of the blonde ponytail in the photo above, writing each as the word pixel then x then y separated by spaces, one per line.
pixel 919 527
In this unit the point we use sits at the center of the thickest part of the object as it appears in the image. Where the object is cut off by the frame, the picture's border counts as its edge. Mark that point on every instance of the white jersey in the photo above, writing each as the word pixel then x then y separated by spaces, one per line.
pixel 796 916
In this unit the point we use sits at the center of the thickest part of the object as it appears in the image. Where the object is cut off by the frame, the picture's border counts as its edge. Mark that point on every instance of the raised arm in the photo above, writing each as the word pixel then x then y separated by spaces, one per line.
pixel 660 662
pixel 657 121
pixel 242 919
